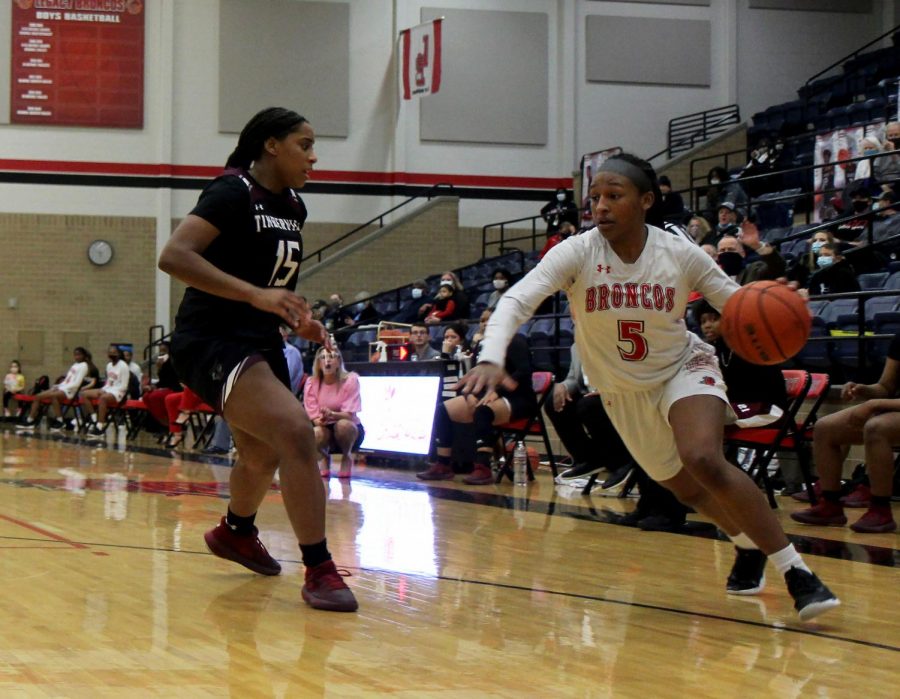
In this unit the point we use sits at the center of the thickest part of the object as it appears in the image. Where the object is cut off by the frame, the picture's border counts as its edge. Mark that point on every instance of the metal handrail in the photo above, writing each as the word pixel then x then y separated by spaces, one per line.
pixel 429 193
pixel 727 115
pixel 503 239
pixel 841 61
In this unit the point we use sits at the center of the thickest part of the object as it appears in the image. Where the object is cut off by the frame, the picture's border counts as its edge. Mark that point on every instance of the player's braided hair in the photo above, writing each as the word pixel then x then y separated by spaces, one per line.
pixel 273 122
pixel 654 215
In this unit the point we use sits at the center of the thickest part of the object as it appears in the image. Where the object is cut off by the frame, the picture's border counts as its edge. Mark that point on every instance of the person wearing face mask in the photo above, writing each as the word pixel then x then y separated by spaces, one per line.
pixel 834 274
pixel 887 167
pixel 109 395
pixel 865 170
pixel 566 229
pixel 411 307
pixel 502 281
pixel 763 262
pixel 854 230
pixel 561 208
pixel 723 189
pixel 727 220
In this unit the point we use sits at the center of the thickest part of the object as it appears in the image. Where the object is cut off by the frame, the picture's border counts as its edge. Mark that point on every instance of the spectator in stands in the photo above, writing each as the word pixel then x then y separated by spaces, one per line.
pixel 566 228
pixel 764 261
pixel 460 297
pixel 166 384
pixel 13 383
pixel 409 311
pixel 561 208
pixel 128 358
pixel 727 223
pixel 513 399
pixel 332 400
pixel 806 266
pixel 478 336
pixel 854 230
pixel 888 169
pixel 834 274
pixel 111 394
pixel 502 281
pixel 710 250
pixel 671 203
pixel 455 344
pixel 443 307
pixel 867 171
pixel 874 423
pixel 336 316
pixel 721 189
pixel 65 390
pixel 420 349
pixel 363 311
pixel 699 230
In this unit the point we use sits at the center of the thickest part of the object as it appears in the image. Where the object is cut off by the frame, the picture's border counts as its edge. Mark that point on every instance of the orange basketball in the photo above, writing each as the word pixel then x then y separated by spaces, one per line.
pixel 765 322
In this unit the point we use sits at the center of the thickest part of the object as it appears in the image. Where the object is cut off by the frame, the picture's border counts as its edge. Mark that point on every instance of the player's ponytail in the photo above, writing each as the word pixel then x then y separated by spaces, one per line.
pixel 273 122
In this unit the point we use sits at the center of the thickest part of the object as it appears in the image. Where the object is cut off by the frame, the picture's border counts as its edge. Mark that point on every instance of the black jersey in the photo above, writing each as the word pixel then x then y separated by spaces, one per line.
pixel 259 241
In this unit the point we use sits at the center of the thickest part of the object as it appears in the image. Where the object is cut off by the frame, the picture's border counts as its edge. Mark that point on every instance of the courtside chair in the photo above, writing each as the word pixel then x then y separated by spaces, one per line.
pixel 535 426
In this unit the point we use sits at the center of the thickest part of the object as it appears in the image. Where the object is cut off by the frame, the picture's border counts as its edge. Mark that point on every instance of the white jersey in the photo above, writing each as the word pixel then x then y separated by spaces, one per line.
pixel 74 378
pixel 629 318
pixel 117 376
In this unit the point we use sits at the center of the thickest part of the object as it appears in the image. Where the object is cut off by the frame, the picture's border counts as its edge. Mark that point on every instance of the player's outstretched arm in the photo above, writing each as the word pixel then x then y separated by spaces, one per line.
pixel 485 376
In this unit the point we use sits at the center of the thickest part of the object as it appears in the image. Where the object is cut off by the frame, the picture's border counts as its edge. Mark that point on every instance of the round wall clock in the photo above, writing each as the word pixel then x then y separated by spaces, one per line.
pixel 100 252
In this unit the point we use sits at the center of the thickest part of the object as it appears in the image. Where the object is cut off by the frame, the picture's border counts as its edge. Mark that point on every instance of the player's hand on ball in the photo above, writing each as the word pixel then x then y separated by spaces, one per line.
pixel 481 377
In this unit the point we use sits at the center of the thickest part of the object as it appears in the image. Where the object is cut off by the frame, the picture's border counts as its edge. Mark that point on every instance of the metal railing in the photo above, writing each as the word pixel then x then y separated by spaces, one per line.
pixel 503 241
pixel 433 191
pixel 806 92
pixel 685 132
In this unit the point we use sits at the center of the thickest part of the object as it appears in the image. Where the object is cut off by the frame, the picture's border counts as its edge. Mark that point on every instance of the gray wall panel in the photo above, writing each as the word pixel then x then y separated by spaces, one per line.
pixel 862 7
pixel 5 61
pixel 494 82
pixel 288 54
pixel 642 50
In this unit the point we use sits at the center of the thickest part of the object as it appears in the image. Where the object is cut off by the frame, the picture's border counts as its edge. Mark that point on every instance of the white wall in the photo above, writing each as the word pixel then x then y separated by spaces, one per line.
pixel 778 50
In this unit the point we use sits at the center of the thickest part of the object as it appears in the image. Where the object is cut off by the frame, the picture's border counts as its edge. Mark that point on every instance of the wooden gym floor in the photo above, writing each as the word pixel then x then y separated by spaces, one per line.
pixel 109 591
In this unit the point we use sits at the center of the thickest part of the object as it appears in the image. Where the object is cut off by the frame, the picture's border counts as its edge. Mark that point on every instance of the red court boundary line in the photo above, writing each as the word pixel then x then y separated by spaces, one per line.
pixel 44 532
pixel 349 176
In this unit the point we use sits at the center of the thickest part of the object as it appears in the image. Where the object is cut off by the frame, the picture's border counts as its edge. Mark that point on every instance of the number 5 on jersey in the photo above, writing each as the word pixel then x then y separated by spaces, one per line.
pixel 287 263
pixel 632 332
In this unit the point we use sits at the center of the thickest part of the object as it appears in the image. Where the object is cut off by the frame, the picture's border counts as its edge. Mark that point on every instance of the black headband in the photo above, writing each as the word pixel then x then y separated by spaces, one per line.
pixel 626 169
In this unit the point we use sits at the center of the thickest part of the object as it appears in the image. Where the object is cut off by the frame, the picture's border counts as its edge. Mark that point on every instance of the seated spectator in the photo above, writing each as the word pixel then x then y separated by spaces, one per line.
pixel 336 316
pixel 13 383
pixel 455 343
pixel 479 333
pixel 409 310
pixel 502 281
pixel 166 383
pixel 803 267
pixel 867 170
pixel 112 393
pixel 566 229
pixel 834 274
pixel 460 297
pixel 332 401
pixel 764 262
pixel 513 399
pixel 885 205
pixel 363 311
pixel 420 349
pixel 65 390
pixel 854 230
pixel 559 209
pixel 727 223
pixel 671 203
pixel 723 189
pixel 128 358
pixel 875 424
pixel 710 250
pixel 179 406
pixel 443 307
pixel 887 169
pixel 699 230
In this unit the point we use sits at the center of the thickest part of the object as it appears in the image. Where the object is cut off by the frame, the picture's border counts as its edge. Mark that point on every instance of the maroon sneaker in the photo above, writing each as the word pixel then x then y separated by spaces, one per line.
pixel 481 475
pixel 245 549
pixel 861 496
pixel 875 521
pixel 325 589
pixel 436 472
pixel 825 513
pixel 803 495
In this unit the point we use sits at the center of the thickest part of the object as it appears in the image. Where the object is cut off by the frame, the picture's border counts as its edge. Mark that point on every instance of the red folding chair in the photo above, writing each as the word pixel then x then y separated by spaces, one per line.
pixel 534 426
pixel 786 435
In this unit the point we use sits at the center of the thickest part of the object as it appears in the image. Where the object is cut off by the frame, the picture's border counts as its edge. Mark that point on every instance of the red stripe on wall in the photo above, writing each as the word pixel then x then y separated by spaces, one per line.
pixel 350 176
pixel 436 66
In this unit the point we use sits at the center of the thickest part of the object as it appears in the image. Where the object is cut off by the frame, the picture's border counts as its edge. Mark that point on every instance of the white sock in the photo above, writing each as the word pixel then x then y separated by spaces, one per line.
pixel 742 541
pixel 786 559
pixel 93 417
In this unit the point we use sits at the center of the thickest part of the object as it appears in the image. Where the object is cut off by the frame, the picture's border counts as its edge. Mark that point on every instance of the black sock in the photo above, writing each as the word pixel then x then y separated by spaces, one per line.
pixel 314 554
pixel 881 500
pixel 240 525
pixel 483 458
pixel 832 496
pixel 443 460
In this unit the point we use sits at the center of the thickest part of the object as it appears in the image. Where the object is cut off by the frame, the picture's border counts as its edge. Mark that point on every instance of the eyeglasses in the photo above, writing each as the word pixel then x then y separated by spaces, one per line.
pixel 418 332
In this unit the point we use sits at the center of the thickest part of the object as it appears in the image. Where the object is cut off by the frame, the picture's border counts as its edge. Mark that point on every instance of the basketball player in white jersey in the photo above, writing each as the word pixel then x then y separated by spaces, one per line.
pixel 660 384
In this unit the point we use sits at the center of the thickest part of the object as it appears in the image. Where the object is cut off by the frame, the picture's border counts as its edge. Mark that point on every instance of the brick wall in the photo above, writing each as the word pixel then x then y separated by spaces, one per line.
pixel 64 300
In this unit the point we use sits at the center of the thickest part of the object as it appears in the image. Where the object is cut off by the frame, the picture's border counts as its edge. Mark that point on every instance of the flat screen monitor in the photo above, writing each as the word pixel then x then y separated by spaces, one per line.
pixel 398 412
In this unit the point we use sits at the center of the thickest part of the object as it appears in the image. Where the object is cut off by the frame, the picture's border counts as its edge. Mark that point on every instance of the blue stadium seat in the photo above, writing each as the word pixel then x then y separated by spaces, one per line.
pixel 816 308
pixel 893 281
pixel 816 354
pixel 873 280
pixel 886 323
pixel 837 308
pixel 880 304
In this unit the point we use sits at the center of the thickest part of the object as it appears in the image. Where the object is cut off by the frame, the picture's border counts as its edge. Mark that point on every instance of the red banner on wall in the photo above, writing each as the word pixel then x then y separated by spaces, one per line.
pixel 420 65
pixel 78 63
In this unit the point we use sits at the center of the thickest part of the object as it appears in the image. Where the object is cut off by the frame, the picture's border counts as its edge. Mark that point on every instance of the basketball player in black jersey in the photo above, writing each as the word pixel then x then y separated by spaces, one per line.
pixel 239 252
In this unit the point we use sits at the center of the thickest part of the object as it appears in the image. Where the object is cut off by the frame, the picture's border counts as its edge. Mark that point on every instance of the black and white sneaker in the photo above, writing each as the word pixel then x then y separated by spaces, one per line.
pixel 618 477
pixel 26 425
pixel 747 575
pixel 57 425
pixel 95 432
pixel 580 470
pixel 811 597
pixel 71 425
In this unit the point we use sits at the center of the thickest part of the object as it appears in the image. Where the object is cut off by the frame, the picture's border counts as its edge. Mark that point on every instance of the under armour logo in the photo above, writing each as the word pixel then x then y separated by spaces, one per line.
pixel 601 268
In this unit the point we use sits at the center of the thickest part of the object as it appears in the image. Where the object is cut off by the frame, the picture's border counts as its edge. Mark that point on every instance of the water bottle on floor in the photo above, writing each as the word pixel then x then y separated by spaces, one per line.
pixel 520 464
